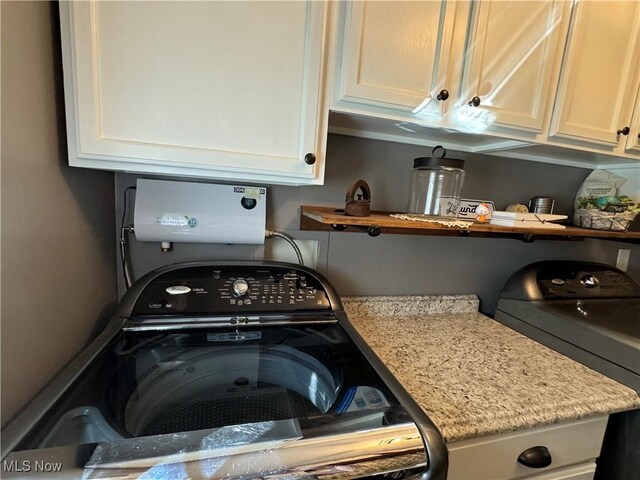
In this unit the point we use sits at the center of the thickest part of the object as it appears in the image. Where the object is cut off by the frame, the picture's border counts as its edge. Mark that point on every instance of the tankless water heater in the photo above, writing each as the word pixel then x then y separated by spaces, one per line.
pixel 199 212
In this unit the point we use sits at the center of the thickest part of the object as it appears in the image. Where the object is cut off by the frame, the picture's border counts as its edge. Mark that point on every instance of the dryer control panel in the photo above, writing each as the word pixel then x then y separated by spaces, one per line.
pixel 212 290
pixel 585 281
pixel 564 280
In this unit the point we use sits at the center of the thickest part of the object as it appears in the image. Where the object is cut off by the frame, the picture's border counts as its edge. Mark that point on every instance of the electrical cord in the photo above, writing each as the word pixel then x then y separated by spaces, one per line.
pixel 125 203
pixel 287 238
pixel 126 271
pixel 124 241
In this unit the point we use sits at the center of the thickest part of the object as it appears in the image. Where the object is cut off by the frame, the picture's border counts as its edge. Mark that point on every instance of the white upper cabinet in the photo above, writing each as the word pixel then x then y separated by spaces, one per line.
pixel 403 55
pixel 600 75
pixel 395 54
pixel 550 80
pixel 226 90
pixel 511 52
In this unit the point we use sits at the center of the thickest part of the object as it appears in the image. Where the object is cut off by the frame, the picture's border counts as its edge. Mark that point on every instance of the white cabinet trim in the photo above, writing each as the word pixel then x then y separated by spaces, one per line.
pixel 633 140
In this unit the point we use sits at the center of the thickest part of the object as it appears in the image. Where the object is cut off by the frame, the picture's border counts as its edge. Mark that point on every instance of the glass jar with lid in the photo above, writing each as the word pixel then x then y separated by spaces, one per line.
pixel 436 184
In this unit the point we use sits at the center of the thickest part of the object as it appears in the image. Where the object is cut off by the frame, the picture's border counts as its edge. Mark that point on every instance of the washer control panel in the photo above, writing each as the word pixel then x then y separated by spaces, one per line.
pixel 206 290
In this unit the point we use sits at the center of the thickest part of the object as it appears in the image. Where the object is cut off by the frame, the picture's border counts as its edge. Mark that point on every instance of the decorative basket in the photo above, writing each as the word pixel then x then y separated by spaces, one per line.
pixel 598 220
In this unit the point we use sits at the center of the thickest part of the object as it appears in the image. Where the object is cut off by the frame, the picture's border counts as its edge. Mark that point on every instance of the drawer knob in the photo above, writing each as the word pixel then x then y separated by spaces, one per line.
pixel 443 95
pixel 535 457
pixel 475 102
pixel 309 159
pixel 624 131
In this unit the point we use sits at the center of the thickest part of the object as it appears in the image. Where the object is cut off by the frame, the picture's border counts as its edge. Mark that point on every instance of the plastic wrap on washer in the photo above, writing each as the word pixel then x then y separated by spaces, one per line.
pixel 157 453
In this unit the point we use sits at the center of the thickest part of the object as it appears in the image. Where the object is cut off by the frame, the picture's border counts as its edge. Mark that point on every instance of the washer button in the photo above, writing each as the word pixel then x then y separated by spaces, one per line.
pixel 177 290
pixel 589 281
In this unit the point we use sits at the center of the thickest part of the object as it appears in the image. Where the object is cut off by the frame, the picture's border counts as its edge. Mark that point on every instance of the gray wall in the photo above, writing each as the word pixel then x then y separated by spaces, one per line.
pixel 58 269
pixel 405 264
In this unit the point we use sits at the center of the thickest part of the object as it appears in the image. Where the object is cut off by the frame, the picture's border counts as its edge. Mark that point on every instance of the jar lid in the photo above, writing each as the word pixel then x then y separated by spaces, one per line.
pixel 437 160
pixel 542 199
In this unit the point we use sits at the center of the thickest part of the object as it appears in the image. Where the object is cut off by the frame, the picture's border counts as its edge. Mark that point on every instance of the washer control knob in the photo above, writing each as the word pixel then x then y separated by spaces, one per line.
pixel 240 288
pixel 589 281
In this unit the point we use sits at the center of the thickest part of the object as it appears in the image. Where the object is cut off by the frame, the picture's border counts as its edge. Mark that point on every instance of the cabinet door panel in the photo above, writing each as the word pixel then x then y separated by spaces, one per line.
pixel 395 53
pixel 211 85
pixel 510 59
pixel 600 72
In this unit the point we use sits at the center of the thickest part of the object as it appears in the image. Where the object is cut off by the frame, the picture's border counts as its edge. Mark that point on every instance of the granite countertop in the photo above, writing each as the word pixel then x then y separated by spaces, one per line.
pixel 474 376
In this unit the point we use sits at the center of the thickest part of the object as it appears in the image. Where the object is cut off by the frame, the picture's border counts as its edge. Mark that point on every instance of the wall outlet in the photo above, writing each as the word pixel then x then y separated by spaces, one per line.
pixel 622 262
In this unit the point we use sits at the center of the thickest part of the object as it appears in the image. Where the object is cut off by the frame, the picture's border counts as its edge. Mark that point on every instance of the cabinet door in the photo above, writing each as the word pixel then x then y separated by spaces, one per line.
pixel 633 140
pixel 600 72
pixel 395 54
pixel 226 90
pixel 510 59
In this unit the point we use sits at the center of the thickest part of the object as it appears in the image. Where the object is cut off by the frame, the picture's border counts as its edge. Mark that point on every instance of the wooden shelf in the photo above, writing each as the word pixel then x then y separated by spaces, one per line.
pixel 332 219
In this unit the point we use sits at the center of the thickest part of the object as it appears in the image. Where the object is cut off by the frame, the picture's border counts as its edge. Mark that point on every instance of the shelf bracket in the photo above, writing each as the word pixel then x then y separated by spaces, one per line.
pixel 374 230
pixel 371 230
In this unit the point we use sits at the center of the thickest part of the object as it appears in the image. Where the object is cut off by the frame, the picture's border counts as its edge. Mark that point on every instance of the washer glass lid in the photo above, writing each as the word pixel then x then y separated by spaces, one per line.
pixel 200 379
pixel 203 388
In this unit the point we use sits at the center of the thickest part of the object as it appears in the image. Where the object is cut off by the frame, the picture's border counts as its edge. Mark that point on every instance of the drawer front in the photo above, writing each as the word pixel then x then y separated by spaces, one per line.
pixel 496 456
pixel 585 471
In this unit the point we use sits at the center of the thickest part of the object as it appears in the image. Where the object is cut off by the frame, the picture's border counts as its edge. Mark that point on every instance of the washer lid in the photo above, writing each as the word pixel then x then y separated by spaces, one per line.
pixel 199 378
pixel 208 387
pixel 608 328
pixel 614 318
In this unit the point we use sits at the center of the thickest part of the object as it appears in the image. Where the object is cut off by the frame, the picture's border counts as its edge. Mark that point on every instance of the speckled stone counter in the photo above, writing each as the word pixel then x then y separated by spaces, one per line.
pixel 472 375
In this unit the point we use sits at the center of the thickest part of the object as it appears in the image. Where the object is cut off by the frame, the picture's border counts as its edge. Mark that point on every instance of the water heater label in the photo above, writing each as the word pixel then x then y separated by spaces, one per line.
pixel 175 220
pixel 250 192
